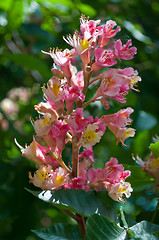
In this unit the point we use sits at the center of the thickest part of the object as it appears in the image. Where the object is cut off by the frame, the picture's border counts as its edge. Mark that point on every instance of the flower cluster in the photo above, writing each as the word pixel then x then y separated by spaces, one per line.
pixel 62 119
pixel 151 165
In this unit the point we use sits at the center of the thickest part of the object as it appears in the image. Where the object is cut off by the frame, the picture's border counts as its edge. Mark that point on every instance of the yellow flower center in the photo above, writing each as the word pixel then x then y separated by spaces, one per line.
pixel 127 132
pixel 156 162
pixel 55 89
pixel 122 190
pixel 43 175
pixel 59 180
pixel 84 44
pixel 90 135
pixel 46 121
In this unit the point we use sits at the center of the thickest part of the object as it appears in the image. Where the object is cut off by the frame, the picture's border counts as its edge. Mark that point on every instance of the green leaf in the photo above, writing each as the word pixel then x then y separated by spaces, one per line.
pixel 15 14
pixel 31 62
pixel 86 9
pixel 145 121
pixel 59 231
pixel 138 179
pixel 78 201
pixel 141 142
pixel 145 230
pixel 154 147
pixel 5 4
pixel 100 228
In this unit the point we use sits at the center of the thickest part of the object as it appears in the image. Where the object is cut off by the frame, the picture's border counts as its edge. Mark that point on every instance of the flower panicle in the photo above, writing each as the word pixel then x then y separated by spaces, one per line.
pixel 62 120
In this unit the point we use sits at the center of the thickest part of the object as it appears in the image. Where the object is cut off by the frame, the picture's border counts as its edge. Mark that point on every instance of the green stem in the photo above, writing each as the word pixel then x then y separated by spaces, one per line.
pixel 75 151
pixel 87 76
pixel 123 218
pixel 94 80
pixel 93 99
pixel 155 212
pixel 61 162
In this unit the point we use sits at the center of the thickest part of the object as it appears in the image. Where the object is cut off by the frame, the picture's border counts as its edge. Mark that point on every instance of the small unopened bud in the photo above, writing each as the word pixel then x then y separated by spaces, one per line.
pixel 105 103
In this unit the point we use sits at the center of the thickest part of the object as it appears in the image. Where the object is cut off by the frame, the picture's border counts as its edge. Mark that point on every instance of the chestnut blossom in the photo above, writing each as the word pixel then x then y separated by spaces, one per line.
pixel 70 95
pixel 47 179
pixel 62 117
pixel 91 135
pixel 121 118
pixel 82 47
pixel 108 31
pixel 38 154
pixel 103 58
pixel 119 191
pixel 124 52
pixel 89 28
pixel 116 83
pixel 150 166
pixel 63 60
pixel 121 133
pixel 77 121
pixel 78 80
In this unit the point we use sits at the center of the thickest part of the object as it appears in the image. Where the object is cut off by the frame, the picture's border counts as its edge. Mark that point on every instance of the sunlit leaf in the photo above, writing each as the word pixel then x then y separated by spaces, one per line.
pixel 86 9
pixel 100 228
pixel 154 147
pixel 145 230
pixel 5 4
pixel 78 201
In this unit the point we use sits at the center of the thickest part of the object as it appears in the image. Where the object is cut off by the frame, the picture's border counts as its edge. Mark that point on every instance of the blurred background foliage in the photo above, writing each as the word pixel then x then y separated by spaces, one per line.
pixel 28 26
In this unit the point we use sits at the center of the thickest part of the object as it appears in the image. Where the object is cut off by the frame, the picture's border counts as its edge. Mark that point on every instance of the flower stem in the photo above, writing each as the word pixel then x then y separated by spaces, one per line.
pixel 81 224
pixel 61 162
pixel 75 162
pixel 94 80
pixel 78 218
pixel 87 75
pixel 155 212
pixel 93 99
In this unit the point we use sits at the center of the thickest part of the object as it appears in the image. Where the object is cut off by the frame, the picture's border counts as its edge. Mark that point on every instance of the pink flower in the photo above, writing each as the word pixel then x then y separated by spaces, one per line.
pixel 63 59
pixel 56 136
pixel 110 84
pixel 108 32
pixel 54 93
pixel 94 179
pixel 78 80
pixel 77 121
pixel 79 183
pixel 120 119
pixel 124 52
pixel 91 135
pixel 87 154
pixel 150 166
pixel 89 28
pixel 103 58
pixel 121 133
pixel 47 108
pixel 70 95
pixel 114 172
pixel 119 190
pixel 47 179
pixel 82 46
pixel 38 154
pixel 116 83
